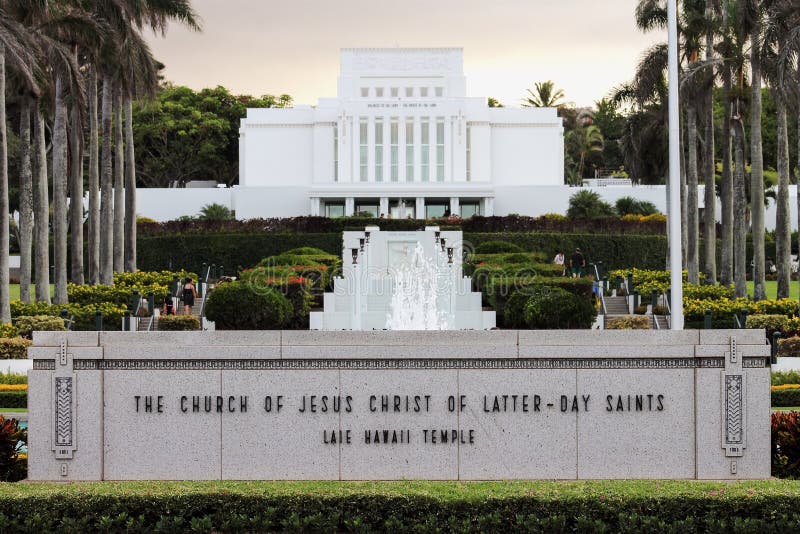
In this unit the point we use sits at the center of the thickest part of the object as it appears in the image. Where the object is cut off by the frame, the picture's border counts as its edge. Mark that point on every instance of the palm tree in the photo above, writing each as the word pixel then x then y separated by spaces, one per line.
pixel 544 95
pixel 41 208
pixel 752 15
pixel 25 200
pixel 76 196
pixel 106 189
pixel 14 47
pixel 94 181
pixel 778 61
pixel 119 184
pixel 583 140
pixel 726 271
pixel 709 162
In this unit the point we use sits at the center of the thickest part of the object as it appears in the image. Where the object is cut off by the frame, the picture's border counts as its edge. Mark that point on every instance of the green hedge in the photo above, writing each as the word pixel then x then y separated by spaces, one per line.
pixel 233 251
pixel 783 398
pixel 378 508
pixel 13 399
pixel 236 251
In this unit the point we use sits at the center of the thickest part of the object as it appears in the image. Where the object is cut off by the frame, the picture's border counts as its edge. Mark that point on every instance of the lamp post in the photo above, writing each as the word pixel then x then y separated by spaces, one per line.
pixel 676 278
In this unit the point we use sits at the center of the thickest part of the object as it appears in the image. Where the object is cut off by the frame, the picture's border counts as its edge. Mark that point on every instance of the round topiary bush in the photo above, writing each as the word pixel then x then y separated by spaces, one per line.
pixel 553 307
pixel 497 247
pixel 514 311
pixel 27 324
pixel 239 306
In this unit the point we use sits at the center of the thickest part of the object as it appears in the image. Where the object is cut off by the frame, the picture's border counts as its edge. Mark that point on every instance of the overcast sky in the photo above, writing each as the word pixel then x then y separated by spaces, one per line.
pixel 266 47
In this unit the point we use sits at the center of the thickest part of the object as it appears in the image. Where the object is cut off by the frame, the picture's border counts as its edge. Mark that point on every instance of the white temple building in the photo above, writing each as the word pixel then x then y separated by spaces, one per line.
pixel 403 139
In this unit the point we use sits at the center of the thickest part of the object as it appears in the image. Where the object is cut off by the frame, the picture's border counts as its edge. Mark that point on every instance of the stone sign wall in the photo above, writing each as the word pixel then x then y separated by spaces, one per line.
pixel 466 405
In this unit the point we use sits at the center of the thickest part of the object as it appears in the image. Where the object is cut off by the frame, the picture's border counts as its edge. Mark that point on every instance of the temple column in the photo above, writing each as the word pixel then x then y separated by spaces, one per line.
pixel 349 207
pixel 455 208
pixel 383 207
pixel 420 214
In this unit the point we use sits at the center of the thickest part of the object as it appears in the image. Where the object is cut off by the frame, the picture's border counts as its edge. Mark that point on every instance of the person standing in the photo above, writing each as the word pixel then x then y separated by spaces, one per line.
pixel 189 293
pixel 576 263
pixel 559 260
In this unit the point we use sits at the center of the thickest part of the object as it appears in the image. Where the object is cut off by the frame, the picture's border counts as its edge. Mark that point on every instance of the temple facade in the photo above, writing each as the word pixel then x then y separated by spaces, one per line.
pixel 401 139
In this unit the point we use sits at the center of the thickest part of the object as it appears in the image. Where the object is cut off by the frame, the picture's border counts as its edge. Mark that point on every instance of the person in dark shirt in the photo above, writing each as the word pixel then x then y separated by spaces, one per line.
pixel 576 263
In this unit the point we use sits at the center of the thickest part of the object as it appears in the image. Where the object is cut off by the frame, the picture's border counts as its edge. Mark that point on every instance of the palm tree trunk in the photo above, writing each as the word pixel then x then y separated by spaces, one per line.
pixel 684 212
pixel 94 183
pixel 119 185
pixel 693 228
pixel 76 198
pixel 5 303
pixel 726 200
pixel 739 213
pixel 757 167
pixel 130 189
pixel 783 226
pixel 60 182
pixel 106 192
pixel 709 167
pixel 25 201
pixel 41 209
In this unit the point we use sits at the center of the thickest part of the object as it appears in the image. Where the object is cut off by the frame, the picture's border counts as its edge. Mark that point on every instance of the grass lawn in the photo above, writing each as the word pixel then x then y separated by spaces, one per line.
pixel 14 410
pixel 444 491
pixel 13 291
pixel 772 289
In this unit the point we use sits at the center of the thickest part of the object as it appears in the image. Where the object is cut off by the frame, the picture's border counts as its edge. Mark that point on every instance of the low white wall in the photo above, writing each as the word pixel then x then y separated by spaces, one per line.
pixel 292 201
pixel 166 204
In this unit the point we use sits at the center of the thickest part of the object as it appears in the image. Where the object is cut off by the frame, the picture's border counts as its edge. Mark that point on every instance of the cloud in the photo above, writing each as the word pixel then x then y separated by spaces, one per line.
pixel 585 46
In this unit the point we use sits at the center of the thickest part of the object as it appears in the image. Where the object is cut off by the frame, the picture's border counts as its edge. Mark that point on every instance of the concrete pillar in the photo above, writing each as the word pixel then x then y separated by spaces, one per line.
pixel 488 207
pixel 455 208
pixel 420 214
pixel 349 207
pixel 315 206
pixel 384 207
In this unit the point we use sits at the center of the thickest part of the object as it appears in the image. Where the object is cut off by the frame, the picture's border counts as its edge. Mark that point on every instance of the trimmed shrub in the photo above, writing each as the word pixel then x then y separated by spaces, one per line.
pixel 514 311
pixel 12 438
pixel 771 323
pixel 14 399
pixel 784 398
pixel 553 307
pixel 27 324
pixel 13 378
pixel 628 323
pixel 640 310
pixel 15 348
pixel 786 444
pixel 238 306
pixel 497 247
pixel 179 322
pixel 497 290
pixel 785 377
pixel 789 347
pixel 8 330
pixel 83 315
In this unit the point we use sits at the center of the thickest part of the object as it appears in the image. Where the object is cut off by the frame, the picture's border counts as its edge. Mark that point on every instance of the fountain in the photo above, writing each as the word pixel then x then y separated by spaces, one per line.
pixel 402 281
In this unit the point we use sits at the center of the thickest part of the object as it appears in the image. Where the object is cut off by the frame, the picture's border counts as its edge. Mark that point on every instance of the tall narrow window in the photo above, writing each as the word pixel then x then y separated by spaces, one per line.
pixel 394 149
pixel 379 92
pixel 335 152
pixel 379 149
pixel 440 91
pixel 364 92
pixel 409 91
pixel 423 92
pixel 362 130
pixel 409 149
pixel 394 91
pixel 469 153
pixel 440 149
pixel 425 152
